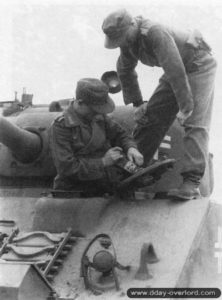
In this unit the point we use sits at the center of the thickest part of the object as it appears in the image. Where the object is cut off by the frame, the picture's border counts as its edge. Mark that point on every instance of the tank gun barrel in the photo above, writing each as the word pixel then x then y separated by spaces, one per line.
pixel 25 145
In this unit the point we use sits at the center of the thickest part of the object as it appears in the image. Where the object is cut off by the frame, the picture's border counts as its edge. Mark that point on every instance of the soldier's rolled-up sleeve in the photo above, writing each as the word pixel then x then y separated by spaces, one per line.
pixel 169 58
pixel 66 163
pixel 118 136
pixel 126 64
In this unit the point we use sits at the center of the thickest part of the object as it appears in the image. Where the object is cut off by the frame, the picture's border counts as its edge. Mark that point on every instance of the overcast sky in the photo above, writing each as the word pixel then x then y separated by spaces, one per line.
pixel 46 46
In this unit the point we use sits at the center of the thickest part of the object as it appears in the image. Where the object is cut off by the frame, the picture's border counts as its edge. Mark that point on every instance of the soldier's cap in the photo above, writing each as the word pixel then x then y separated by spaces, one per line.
pixel 115 25
pixel 94 93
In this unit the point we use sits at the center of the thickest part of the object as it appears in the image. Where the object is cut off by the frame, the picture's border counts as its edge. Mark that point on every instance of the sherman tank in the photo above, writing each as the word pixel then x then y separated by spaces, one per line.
pixel 68 247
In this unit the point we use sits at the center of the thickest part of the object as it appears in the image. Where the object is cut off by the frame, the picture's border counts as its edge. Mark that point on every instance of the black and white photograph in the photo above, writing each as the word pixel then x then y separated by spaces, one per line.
pixel 110 149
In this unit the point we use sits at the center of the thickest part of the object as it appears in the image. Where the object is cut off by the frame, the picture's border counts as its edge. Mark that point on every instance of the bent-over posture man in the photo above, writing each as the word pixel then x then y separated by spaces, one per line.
pixel 87 145
pixel 185 90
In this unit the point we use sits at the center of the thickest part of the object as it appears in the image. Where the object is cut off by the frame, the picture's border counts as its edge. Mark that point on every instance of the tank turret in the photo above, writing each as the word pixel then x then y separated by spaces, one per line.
pixel 25 153
pixel 24 145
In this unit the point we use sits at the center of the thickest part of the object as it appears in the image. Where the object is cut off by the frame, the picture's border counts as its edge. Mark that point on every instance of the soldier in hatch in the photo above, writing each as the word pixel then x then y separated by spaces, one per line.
pixel 87 145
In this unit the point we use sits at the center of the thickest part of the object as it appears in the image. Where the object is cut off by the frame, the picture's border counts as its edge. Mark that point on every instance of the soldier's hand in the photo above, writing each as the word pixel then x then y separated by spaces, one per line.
pixel 137 102
pixel 181 117
pixel 112 156
pixel 135 156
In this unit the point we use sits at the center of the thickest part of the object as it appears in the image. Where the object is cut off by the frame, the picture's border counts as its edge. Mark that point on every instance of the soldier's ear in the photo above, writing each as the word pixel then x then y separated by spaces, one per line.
pixel 79 101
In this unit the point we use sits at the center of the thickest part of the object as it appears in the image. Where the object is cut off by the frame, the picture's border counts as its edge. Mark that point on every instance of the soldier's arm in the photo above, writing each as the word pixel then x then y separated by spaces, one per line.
pixel 66 162
pixel 126 65
pixel 118 136
pixel 169 58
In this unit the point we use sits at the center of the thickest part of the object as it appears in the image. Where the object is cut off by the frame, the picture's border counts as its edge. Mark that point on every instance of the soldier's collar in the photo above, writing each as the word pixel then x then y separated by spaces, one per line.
pixel 144 24
pixel 71 118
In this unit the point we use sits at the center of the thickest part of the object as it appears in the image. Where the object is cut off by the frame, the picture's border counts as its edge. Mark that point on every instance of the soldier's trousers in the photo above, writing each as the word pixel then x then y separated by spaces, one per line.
pixel 160 112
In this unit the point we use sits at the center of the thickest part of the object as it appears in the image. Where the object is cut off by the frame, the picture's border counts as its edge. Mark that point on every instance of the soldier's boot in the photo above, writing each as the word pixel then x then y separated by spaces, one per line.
pixel 189 190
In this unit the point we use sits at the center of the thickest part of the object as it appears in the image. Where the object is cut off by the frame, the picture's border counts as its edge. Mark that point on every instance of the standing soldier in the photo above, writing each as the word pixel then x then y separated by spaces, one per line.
pixel 184 91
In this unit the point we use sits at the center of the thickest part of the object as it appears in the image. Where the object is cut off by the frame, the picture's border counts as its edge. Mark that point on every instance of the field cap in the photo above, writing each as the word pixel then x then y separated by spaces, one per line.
pixel 94 93
pixel 115 26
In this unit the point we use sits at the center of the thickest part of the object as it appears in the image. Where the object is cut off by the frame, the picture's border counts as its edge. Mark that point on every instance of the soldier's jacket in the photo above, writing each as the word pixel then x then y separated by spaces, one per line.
pixel 156 45
pixel 77 148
